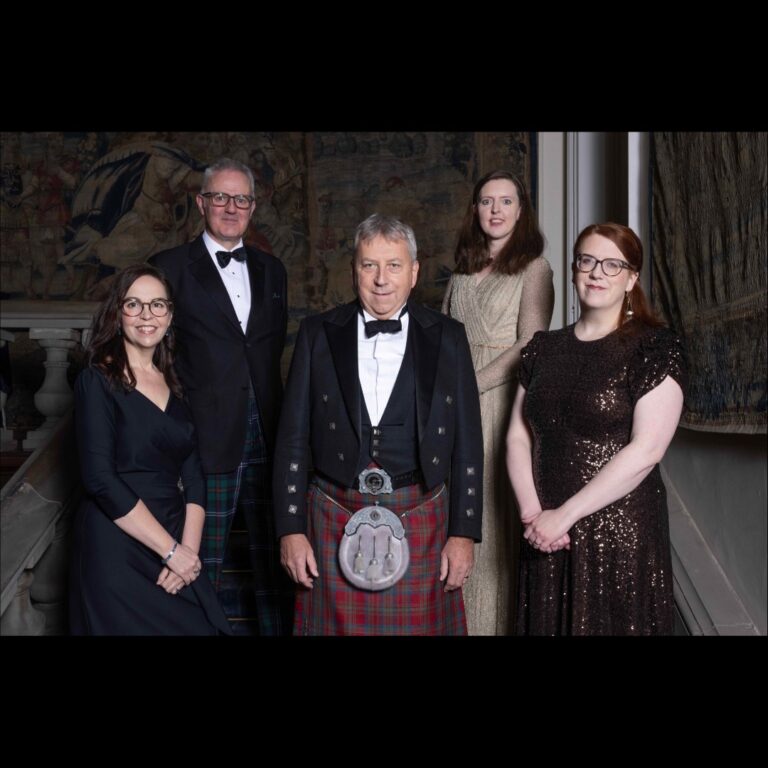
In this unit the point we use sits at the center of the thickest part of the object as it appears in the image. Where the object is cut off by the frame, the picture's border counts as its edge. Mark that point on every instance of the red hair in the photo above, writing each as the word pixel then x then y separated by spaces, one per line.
pixel 632 250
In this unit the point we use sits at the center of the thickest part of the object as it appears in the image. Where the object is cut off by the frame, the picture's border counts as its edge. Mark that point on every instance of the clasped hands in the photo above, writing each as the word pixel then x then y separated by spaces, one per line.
pixel 180 571
pixel 547 530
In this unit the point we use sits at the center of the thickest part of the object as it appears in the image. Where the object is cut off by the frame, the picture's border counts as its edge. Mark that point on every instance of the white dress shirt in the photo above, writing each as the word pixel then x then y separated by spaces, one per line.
pixel 378 363
pixel 235 279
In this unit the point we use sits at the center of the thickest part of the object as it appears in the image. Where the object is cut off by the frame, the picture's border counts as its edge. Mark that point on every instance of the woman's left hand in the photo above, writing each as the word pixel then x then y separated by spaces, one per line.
pixel 170 581
pixel 548 530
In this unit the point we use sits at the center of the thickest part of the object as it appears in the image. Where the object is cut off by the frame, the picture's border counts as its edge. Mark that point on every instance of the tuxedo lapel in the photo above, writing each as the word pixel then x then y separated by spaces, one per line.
pixel 258 300
pixel 342 341
pixel 426 350
pixel 203 270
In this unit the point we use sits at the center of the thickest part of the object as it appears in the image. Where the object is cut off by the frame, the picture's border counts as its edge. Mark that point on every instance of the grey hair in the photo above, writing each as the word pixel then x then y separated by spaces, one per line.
pixel 388 227
pixel 228 164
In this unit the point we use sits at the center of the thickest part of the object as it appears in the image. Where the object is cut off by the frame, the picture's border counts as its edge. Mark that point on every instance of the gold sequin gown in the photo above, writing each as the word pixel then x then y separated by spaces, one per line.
pixel 500 314
pixel 617 577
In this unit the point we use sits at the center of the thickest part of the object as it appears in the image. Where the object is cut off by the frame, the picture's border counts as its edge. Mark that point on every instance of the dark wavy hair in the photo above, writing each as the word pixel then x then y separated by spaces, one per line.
pixel 106 349
pixel 525 244
pixel 631 249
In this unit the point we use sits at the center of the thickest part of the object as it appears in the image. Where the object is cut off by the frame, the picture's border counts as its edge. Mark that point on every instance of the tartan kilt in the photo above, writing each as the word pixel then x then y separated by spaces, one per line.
pixel 416 605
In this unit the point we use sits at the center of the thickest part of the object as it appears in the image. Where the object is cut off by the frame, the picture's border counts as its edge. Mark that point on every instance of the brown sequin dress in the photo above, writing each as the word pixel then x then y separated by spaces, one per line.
pixel 617 577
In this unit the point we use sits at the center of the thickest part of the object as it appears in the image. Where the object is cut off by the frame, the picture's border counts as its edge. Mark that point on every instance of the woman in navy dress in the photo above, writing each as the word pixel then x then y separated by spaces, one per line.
pixel 135 566
pixel 597 406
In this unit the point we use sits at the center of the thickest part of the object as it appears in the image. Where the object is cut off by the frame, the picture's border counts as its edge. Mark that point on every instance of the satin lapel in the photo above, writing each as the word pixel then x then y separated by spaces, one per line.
pixel 426 350
pixel 342 341
pixel 258 300
pixel 204 271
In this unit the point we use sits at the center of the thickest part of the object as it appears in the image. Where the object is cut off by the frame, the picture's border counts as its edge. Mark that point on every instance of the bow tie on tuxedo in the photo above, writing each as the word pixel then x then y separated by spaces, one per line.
pixel 224 257
pixel 372 327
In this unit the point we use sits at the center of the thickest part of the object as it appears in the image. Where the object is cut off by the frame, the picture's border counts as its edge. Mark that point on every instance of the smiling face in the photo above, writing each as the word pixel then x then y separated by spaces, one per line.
pixel 384 275
pixel 498 210
pixel 596 290
pixel 226 224
pixel 145 330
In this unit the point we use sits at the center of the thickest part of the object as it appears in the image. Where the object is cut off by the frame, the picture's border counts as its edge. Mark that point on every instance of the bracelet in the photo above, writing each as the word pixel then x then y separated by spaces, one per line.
pixel 165 560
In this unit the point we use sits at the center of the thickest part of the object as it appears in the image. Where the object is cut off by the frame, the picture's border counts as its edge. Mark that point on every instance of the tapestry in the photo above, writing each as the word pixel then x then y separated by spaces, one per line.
pixel 709 224
pixel 77 207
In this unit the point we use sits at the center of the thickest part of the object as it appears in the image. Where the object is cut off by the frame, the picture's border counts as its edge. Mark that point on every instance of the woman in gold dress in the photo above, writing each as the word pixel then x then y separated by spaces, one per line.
pixel 502 291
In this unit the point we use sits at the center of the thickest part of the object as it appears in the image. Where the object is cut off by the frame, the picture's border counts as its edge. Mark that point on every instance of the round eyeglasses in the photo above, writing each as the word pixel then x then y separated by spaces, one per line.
pixel 611 267
pixel 220 199
pixel 134 307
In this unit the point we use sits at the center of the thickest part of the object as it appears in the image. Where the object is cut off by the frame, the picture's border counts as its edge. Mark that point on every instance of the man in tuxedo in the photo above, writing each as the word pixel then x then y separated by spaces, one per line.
pixel 230 319
pixel 382 406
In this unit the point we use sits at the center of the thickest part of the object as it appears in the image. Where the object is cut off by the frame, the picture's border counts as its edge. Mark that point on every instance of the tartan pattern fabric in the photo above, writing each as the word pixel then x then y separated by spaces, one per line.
pixel 416 605
pixel 247 491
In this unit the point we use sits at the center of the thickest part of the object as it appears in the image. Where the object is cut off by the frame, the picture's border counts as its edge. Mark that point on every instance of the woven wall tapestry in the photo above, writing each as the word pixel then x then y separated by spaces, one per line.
pixel 710 263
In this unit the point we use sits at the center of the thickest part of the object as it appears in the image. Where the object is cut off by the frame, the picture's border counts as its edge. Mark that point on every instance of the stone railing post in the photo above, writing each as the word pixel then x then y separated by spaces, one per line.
pixel 55 397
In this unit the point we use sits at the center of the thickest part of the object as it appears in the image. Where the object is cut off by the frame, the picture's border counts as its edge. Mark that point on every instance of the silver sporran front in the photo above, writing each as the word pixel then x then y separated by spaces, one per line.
pixel 373 553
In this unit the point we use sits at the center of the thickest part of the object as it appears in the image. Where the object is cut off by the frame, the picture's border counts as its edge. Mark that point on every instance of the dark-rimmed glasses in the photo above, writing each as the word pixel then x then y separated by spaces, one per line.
pixel 133 307
pixel 611 267
pixel 220 199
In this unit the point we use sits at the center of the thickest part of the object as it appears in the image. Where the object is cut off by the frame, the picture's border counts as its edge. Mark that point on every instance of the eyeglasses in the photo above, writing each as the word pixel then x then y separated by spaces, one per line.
pixel 611 267
pixel 134 307
pixel 220 199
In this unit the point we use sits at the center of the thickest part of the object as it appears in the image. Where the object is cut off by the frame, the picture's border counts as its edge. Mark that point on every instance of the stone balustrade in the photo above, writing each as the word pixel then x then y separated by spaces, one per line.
pixel 58 327
pixel 36 507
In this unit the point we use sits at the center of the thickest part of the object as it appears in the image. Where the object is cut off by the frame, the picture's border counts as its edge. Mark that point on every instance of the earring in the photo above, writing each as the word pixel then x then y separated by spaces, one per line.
pixel 119 330
pixel 628 311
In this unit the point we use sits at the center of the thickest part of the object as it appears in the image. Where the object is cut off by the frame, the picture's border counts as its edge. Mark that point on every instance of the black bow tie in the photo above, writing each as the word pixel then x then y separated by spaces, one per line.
pixel 372 327
pixel 224 257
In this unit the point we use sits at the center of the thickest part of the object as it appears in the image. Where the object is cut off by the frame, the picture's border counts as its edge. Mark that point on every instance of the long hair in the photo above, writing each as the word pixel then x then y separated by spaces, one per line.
pixel 525 244
pixel 106 349
pixel 632 250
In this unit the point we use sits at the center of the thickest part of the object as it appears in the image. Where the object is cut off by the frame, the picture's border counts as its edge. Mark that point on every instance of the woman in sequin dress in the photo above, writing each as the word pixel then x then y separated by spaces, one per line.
pixel 502 292
pixel 597 406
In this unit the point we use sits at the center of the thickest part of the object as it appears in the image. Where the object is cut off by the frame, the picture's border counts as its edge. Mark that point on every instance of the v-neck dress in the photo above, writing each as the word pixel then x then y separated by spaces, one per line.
pixel 131 449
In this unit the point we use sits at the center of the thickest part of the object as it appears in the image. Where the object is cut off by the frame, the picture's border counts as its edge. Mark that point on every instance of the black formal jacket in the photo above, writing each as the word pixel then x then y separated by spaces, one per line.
pixel 320 421
pixel 214 358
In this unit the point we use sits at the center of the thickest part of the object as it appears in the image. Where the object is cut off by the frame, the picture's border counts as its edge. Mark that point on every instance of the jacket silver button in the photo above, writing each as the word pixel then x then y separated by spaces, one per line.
pixel 291 489
pixel 435 460
pixel 294 467
pixel 292 509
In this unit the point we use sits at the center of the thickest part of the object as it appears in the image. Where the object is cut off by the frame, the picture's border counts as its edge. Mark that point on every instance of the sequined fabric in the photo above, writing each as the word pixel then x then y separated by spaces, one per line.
pixel 617 577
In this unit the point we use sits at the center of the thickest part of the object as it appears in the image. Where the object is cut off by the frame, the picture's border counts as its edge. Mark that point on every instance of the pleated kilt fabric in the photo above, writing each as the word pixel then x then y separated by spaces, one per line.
pixel 243 562
pixel 416 605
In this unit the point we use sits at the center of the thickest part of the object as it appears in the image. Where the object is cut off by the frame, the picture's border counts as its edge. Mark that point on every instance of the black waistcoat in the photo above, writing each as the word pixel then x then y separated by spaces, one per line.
pixel 393 444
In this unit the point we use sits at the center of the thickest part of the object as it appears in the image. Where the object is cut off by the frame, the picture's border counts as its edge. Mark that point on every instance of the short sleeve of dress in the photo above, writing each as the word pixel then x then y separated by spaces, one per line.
pixel 658 354
pixel 528 356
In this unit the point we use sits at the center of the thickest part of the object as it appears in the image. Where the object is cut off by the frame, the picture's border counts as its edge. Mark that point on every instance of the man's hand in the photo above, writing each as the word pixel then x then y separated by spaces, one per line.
pixel 298 559
pixel 456 561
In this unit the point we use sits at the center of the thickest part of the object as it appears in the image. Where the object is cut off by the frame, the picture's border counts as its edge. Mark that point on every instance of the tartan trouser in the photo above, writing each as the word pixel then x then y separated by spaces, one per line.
pixel 248 490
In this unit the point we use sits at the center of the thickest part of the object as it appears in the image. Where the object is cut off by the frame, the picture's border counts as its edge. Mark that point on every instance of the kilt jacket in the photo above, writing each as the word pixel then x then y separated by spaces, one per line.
pixel 319 426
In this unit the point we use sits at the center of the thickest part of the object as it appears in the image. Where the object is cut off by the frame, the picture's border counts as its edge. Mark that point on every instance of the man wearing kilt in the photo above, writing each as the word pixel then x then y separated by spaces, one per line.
pixel 381 410
pixel 230 321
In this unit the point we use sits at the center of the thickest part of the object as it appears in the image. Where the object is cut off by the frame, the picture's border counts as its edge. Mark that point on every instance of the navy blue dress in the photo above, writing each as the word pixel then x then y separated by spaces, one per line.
pixel 129 450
